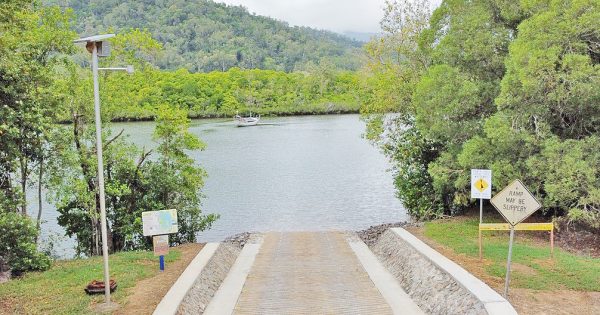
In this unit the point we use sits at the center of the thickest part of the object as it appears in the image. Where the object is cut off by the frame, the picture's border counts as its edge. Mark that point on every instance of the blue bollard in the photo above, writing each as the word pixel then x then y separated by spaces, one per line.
pixel 162 263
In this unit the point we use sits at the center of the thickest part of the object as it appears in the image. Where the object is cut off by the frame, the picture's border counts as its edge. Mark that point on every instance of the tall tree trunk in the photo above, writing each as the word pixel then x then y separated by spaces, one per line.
pixel 109 239
pixel 91 184
pixel 94 242
pixel 98 227
pixel 24 173
pixel 40 203
pixel 7 187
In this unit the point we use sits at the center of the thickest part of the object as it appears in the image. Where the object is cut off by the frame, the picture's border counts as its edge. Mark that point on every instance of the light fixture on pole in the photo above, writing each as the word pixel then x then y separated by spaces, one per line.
pixel 99 47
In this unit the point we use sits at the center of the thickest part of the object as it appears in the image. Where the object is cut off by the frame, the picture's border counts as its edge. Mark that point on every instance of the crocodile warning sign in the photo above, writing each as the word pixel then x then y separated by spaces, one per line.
pixel 481 184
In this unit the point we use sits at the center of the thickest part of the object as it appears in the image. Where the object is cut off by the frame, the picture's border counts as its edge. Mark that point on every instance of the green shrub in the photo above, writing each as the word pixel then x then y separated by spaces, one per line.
pixel 17 244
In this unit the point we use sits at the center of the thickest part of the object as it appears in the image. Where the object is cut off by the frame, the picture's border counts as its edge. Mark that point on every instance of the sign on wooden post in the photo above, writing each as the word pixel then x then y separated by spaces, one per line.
pixel 481 187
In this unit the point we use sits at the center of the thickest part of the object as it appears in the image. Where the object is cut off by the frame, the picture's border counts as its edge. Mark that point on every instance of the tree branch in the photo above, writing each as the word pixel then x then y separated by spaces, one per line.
pixel 113 139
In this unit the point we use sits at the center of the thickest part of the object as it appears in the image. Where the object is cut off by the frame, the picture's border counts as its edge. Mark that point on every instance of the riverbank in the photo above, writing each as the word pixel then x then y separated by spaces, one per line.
pixel 60 290
pixel 568 283
pixel 141 114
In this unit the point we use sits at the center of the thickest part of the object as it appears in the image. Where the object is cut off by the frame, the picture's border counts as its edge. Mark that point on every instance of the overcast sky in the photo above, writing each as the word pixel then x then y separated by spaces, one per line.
pixel 333 15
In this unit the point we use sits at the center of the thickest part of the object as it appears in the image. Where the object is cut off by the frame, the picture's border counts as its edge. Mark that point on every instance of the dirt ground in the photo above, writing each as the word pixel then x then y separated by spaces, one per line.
pixel 525 301
pixel 146 295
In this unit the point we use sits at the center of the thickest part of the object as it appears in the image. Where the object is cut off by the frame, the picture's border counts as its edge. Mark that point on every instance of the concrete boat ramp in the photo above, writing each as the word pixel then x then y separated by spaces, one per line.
pixel 328 273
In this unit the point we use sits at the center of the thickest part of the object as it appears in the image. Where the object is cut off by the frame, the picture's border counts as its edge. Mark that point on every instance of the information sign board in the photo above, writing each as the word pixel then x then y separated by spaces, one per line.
pixel 159 222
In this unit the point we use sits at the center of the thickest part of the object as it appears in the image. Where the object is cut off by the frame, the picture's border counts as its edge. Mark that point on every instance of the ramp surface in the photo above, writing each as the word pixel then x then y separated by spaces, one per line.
pixel 308 272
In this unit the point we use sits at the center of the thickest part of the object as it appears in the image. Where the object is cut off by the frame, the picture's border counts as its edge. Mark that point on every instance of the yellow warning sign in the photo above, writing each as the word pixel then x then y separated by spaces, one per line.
pixel 481 185
pixel 515 202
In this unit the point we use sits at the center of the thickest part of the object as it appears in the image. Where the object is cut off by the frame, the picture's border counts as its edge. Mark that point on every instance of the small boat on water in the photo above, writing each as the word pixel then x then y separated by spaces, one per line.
pixel 246 121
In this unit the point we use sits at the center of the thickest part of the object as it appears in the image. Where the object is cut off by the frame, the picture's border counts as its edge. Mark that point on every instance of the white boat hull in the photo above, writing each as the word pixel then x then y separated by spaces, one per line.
pixel 246 121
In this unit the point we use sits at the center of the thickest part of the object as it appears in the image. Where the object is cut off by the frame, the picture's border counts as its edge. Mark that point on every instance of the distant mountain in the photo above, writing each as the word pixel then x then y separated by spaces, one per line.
pixel 202 35
pixel 362 37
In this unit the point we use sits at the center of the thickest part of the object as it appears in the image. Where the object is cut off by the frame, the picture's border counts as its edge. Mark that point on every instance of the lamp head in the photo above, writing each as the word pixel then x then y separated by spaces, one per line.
pixel 100 41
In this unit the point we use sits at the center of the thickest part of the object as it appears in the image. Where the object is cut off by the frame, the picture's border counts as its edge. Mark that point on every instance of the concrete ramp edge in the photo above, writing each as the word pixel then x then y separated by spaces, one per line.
pixel 493 302
pixel 226 297
pixel 171 301
pixel 398 300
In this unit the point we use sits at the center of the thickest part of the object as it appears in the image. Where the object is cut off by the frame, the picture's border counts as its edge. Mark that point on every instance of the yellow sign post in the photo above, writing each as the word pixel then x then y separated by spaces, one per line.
pixel 518 227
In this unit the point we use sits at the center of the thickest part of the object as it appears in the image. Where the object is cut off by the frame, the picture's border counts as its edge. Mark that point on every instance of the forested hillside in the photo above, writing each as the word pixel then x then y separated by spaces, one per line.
pixel 201 35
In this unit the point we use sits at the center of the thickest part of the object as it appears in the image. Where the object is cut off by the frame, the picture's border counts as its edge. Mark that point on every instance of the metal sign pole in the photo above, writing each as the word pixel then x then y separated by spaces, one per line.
pixel 480 210
pixel 480 221
pixel 100 173
pixel 510 245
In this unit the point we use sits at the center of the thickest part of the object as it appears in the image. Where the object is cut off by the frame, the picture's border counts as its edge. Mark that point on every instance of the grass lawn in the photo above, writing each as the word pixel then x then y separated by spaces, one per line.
pixel 60 289
pixel 533 267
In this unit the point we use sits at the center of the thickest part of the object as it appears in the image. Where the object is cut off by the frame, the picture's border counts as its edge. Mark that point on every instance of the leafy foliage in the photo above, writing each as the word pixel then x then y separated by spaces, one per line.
pixel 174 181
pixel 135 182
pixel 510 86
pixel 18 249
pixel 553 71
pixel 396 64
pixel 30 38
pixel 570 173
pixel 222 94
pixel 203 35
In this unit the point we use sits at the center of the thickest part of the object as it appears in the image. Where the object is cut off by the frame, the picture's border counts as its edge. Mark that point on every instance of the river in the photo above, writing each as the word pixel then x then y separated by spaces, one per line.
pixel 290 174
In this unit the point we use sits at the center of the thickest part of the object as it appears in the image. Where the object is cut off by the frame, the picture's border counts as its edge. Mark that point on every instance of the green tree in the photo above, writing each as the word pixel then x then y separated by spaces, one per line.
pixel 18 249
pixel 174 181
pixel 131 179
pixel 396 63
pixel 551 86
pixel 511 86
pixel 440 74
pixel 31 40
pixel 549 103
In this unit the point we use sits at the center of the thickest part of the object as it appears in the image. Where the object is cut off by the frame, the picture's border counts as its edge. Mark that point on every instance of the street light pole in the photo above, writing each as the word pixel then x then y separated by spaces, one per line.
pixel 99 47
pixel 100 172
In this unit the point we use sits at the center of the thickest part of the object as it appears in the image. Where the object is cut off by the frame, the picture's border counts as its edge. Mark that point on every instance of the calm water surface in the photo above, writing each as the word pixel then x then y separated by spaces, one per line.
pixel 291 174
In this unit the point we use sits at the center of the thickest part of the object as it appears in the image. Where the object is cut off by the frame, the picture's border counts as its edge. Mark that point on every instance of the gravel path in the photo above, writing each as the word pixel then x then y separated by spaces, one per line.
pixel 304 273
